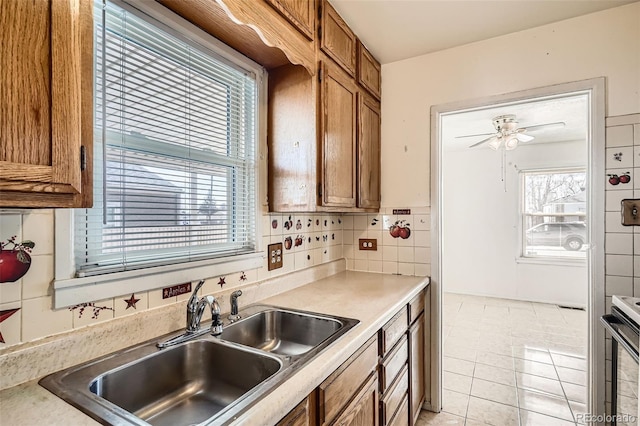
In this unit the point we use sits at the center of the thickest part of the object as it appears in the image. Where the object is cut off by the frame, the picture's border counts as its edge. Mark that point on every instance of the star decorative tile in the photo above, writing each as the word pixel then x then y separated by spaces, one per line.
pixel 131 302
pixel 243 276
pixel 221 281
pixel 3 316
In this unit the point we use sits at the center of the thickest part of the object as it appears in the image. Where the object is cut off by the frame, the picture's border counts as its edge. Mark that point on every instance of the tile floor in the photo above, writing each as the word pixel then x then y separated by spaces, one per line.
pixel 509 362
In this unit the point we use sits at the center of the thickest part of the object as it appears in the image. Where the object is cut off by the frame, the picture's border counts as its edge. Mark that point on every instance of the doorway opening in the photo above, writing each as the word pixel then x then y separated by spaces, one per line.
pixel 517 219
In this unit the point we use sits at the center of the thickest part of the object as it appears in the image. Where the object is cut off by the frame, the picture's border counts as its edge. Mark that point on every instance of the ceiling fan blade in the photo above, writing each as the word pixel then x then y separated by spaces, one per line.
pixel 474 136
pixel 483 141
pixel 556 125
pixel 523 138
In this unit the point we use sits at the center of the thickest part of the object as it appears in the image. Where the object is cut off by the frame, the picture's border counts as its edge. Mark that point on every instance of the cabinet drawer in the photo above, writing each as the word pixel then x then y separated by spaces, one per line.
pixel 416 307
pixel 392 399
pixel 392 331
pixel 336 391
pixel 401 418
pixel 393 363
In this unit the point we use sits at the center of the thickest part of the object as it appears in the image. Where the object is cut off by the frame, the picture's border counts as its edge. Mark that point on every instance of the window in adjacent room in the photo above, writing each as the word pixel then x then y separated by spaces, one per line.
pixel 554 213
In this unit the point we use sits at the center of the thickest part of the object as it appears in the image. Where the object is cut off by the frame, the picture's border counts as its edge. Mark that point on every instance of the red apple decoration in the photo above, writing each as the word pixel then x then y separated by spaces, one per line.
pixel 625 178
pixel 14 262
pixel 405 232
pixel 614 179
pixel 394 230
pixel 287 243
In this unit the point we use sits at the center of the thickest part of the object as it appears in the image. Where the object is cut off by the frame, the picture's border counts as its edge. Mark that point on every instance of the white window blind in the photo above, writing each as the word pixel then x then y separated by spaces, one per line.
pixel 175 142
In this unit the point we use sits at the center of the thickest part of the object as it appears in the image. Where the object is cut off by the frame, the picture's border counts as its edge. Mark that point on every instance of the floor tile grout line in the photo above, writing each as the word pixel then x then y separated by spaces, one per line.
pixel 548 347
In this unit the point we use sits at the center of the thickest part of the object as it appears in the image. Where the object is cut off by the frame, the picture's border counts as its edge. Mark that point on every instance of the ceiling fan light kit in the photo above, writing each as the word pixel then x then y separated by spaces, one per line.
pixel 507 130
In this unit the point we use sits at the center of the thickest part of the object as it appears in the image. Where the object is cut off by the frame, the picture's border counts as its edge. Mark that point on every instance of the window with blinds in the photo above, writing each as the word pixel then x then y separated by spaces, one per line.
pixel 175 147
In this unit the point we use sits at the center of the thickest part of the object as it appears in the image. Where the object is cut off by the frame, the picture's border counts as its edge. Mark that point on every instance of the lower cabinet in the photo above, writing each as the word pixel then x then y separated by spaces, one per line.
pixel 363 409
pixel 417 356
pixel 303 415
pixel 382 383
pixel 342 388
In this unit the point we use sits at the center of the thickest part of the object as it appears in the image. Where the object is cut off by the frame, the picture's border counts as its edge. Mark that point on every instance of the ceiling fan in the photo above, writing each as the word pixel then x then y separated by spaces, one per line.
pixel 507 131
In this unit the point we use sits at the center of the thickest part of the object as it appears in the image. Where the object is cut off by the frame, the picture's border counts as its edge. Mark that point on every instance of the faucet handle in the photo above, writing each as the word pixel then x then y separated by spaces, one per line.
pixel 192 308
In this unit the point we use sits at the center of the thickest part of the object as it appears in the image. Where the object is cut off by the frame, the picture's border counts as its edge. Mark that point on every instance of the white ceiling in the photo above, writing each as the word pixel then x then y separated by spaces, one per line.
pixel 398 29
pixel 573 110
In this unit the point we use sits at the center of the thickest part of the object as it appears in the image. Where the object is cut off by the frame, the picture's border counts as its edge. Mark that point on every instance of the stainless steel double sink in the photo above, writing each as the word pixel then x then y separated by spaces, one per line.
pixel 206 380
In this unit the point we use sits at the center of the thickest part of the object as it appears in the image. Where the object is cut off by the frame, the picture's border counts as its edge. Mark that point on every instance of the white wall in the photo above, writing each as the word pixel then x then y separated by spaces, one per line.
pixel 481 226
pixel 601 44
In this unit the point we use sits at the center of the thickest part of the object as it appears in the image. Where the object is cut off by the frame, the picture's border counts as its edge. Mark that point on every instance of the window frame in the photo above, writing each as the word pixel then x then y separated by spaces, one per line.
pixel 545 260
pixel 69 290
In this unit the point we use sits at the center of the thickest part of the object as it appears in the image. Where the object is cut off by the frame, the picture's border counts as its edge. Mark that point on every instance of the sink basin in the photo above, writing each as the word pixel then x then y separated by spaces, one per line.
pixel 282 332
pixel 185 384
pixel 205 380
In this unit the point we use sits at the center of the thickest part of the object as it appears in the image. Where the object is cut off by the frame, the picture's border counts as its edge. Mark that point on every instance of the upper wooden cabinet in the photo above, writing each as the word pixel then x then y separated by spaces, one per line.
pixel 369 75
pixel 46 103
pixel 368 152
pixel 301 13
pixel 337 40
pixel 263 30
pixel 338 126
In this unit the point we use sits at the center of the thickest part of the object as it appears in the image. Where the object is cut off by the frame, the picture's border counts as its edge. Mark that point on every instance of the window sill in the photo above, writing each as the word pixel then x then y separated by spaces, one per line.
pixel 577 263
pixel 73 291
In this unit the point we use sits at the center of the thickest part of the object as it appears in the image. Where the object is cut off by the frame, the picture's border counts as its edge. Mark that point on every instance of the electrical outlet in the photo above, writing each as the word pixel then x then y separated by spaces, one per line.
pixel 630 212
pixel 275 256
pixel 368 244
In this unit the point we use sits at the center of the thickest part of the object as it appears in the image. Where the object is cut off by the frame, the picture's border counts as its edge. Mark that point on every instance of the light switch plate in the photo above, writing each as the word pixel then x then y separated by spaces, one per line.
pixel 630 212
pixel 274 257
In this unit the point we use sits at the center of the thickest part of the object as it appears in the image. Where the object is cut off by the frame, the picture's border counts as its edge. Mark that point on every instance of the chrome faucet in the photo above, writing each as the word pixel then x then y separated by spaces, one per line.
pixel 195 309
pixel 233 316
pixel 216 323
pixel 192 309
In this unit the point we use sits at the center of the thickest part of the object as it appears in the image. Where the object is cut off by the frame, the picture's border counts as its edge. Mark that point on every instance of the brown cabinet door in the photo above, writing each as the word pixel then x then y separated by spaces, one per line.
pixel 369 75
pixel 303 414
pixel 338 132
pixel 363 410
pixel 417 366
pixel 45 103
pixel 301 13
pixel 368 152
pixel 337 40
pixel 343 384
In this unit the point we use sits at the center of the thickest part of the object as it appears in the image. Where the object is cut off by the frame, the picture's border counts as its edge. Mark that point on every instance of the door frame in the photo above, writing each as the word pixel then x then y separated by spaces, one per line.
pixel 595 89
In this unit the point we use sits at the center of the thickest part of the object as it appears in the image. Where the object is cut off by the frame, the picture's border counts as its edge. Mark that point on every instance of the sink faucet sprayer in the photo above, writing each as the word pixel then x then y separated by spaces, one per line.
pixel 233 316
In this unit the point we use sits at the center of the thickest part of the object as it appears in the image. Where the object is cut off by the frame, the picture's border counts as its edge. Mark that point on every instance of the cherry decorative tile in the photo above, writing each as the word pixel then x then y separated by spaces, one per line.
pixel 96 309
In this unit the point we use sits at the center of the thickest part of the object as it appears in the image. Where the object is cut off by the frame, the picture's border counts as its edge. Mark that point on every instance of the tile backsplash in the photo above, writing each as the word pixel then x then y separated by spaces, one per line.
pixel 406 251
pixel 622 243
pixel 26 312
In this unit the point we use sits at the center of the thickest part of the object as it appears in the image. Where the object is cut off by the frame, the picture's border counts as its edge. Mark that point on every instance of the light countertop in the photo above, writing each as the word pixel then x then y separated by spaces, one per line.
pixel 370 298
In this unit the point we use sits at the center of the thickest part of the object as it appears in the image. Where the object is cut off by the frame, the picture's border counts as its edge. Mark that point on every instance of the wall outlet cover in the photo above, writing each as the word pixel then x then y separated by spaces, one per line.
pixel 368 244
pixel 274 257
pixel 630 212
